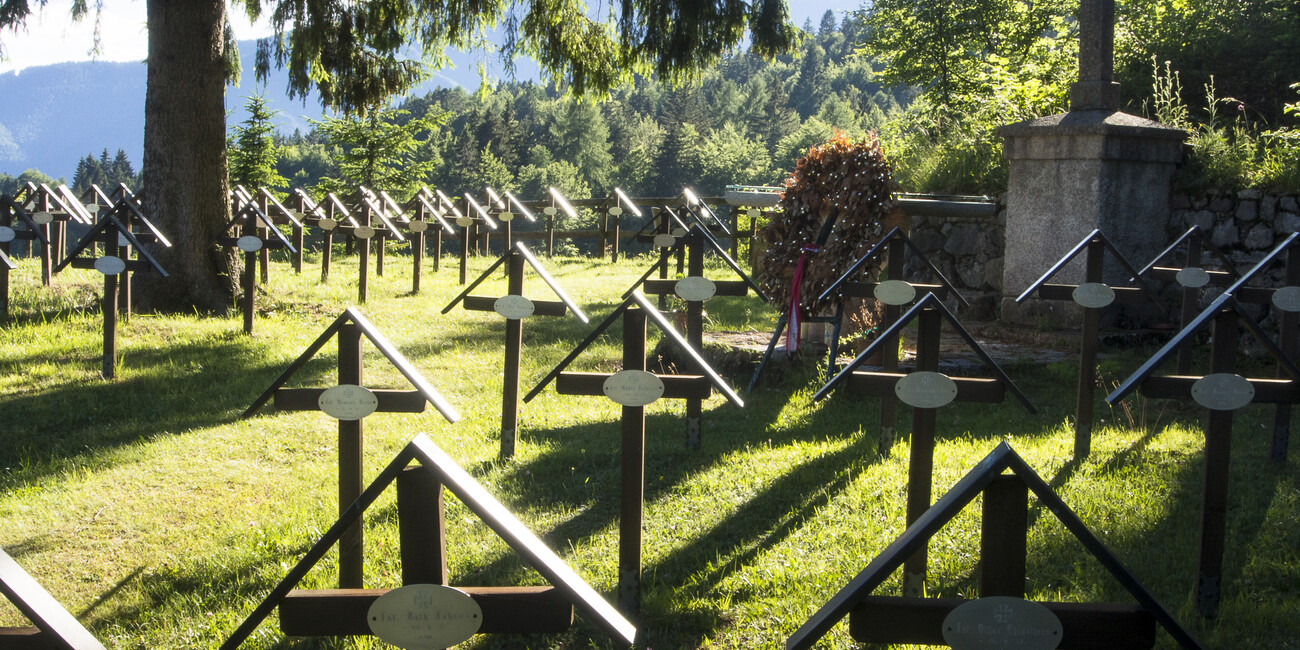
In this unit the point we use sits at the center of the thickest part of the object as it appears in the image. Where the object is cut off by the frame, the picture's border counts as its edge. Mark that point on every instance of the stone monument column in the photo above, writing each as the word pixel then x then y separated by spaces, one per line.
pixel 1091 168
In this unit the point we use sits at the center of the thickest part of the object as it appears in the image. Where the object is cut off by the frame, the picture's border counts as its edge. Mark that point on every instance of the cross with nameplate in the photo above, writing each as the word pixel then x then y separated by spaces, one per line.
pixel 925 390
pixel 426 215
pixel 255 227
pixel 11 210
pixel 634 388
pixel 1192 277
pixel 514 307
pixel 1093 296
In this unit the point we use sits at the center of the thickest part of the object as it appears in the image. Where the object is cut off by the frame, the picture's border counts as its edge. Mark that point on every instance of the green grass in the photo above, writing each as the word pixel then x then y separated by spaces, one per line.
pixel 161 520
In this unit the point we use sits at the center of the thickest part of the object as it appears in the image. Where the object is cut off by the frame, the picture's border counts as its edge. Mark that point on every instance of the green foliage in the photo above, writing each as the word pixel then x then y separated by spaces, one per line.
pixel 251 149
pixel 104 173
pixel 727 157
pixel 378 151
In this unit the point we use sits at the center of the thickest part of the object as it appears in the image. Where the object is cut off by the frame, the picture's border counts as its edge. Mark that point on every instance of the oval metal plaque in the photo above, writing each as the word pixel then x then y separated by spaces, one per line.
pixel 7 234
pixel 42 218
pixel 348 402
pixel 926 390
pixel 1287 299
pixel 679 232
pixel 1093 295
pixel 363 232
pixel 418 226
pixel 249 244
pixel 1223 391
pixel 464 222
pixel 615 210
pixel 753 213
pixel 419 617
pixel 109 265
pixel 513 307
pixel 1193 277
pixel 92 208
pixel 1000 622
pixel 549 211
pixel 895 292
pixel 327 223
pixel 505 216
pixel 664 240
pixel 633 387
pixel 695 288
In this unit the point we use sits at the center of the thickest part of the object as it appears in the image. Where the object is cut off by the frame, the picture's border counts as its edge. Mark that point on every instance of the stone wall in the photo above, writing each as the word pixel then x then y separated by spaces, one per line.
pixel 1245 225
pixel 969 252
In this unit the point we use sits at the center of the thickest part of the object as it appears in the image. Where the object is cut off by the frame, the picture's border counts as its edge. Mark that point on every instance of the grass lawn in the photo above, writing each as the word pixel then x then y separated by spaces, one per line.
pixel 160 519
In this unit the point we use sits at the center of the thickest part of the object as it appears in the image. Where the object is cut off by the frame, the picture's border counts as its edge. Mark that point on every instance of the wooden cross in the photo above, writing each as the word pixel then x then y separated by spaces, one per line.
pixel 350 402
pixel 1093 295
pixel 370 210
pixel 514 307
pixel 115 237
pixel 255 226
pixel 634 388
pixel 894 293
pixel 932 621
pixel 925 390
pixel 426 215
pixel 1222 392
pixel 517 610
pixel 694 289
pixel 613 212
pixel 1191 277
pixel 11 210
pixel 54 626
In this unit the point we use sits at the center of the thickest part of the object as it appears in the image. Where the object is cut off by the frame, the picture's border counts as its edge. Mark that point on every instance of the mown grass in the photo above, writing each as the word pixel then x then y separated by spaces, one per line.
pixel 160 519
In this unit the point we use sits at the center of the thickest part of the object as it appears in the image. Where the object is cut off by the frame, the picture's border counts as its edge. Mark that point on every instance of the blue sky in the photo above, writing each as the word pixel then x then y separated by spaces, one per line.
pixel 50 37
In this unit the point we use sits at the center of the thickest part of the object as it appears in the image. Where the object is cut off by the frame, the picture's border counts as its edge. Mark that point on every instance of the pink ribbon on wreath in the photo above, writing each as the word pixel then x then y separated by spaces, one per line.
pixel 794 317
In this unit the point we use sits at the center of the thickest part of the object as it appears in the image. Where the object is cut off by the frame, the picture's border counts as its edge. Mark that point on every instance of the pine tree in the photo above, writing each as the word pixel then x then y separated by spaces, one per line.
pixel 252 153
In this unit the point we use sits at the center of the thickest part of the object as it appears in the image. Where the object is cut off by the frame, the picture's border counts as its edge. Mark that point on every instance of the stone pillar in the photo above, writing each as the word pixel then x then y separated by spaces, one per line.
pixel 1075 172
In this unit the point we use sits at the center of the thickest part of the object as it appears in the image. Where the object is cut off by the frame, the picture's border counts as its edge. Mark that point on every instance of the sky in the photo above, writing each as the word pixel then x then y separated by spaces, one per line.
pixel 51 37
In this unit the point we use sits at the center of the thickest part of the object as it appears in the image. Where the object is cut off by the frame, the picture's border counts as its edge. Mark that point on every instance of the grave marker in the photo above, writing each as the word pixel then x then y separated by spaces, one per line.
pixel 356 401
pixel 925 390
pixel 1191 277
pixel 933 621
pixel 520 610
pixel 514 307
pixel 255 228
pixel 1093 295
pixel 630 390
pixel 426 217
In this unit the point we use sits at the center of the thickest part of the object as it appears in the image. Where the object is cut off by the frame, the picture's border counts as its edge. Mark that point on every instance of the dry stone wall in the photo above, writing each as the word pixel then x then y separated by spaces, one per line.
pixel 969 252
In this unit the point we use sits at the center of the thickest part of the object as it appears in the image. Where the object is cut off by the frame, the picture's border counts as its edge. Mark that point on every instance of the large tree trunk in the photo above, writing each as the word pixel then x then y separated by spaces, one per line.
pixel 184 169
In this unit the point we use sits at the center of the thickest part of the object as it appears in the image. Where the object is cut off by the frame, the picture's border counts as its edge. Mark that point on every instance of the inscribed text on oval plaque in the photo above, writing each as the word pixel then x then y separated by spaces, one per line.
pixel 363 232
pixel 633 387
pixel 249 244
pixel 695 288
pixel 999 622
pixel 664 240
pixel 926 390
pixel 418 226
pixel 894 292
pixel 506 216
pixel 327 223
pixel 1287 299
pixel 1093 295
pixel 1193 277
pixel 513 307
pixel 348 402
pixel 7 234
pixel 42 218
pixel 419 617
pixel 615 210
pixel 1223 391
pixel 109 265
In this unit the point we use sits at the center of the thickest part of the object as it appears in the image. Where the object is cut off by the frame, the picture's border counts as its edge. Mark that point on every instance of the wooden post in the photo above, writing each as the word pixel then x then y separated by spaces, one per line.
pixel 250 229
pixel 466 240
pixel 110 308
pixel 550 235
pixel 1288 326
pixel 510 372
pixel 299 241
pixel 602 234
pixel 417 252
pixel 4 282
pixel 421 528
pixel 1190 297
pixel 363 260
pixel 889 355
pixel 632 485
pixel 921 463
pixel 327 244
pixel 437 250
pixel 264 255
pixel 618 222
pixel 351 569
pixel 1002 538
pixel 695 336
pixel 1088 356
pixel 1214 496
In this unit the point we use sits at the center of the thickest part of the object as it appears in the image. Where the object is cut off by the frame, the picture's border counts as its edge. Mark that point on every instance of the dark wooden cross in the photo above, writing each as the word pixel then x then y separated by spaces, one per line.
pixel 114 236
pixel 925 390
pixel 634 388
pixel 1093 296
pixel 893 293
pixel 11 213
pixel 1191 276
pixel 54 626
pixel 514 307
pixel 613 211
pixel 558 204
pixel 256 229
pixel 350 402
pixel 511 610
pixel 479 225
pixel 51 210
pixel 694 290
pixel 275 213
pixel 371 210
pixel 426 215
pixel 1222 391
pixel 934 621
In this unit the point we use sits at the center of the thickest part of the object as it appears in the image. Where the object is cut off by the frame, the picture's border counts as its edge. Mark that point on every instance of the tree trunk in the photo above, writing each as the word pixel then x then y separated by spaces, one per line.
pixel 184 169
